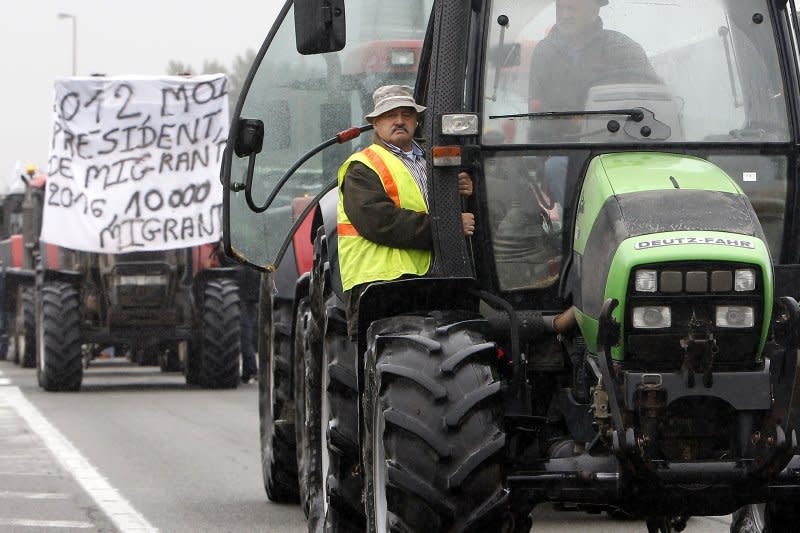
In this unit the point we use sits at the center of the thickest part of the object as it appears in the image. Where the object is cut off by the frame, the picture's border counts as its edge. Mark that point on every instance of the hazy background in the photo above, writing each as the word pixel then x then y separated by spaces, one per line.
pixel 115 38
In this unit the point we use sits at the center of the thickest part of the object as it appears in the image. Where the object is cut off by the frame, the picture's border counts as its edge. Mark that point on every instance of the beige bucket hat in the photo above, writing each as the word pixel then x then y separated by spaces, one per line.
pixel 390 97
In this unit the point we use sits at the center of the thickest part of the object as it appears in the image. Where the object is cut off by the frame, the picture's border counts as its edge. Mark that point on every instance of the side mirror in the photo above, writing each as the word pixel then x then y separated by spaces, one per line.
pixel 249 137
pixel 319 26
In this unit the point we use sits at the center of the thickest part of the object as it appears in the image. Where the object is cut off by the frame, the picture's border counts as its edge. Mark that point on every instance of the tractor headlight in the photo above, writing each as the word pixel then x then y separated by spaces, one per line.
pixel 460 124
pixel 646 281
pixel 652 317
pixel 744 280
pixel 402 58
pixel 735 316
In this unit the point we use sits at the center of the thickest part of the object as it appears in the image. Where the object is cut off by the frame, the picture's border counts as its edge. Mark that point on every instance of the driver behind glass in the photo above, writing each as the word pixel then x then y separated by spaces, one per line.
pixel 578 54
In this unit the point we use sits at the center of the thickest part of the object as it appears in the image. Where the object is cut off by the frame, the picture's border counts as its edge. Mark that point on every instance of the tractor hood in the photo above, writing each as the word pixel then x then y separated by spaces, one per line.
pixel 629 195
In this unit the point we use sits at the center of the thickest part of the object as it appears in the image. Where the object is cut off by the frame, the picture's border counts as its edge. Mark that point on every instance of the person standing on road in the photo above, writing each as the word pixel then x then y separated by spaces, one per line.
pixel 384 230
pixel 249 282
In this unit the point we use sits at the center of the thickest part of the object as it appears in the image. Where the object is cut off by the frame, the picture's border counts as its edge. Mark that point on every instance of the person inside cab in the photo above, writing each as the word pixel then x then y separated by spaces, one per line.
pixel 576 54
pixel 579 53
pixel 384 229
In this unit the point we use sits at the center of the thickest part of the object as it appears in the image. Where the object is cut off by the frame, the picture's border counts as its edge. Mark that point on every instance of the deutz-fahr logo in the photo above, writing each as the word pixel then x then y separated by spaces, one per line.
pixel 672 241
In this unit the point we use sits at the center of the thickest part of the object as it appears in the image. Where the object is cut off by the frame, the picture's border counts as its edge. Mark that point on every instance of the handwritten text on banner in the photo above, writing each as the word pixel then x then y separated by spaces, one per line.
pixel 134 163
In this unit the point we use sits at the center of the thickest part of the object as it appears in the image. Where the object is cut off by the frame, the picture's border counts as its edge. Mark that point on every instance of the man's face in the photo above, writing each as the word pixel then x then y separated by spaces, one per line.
pixel 573 17
pixel 397 126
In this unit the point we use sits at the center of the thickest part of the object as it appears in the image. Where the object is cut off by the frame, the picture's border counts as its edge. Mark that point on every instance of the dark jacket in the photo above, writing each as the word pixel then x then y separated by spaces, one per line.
pixel 562 73
pixel 376 217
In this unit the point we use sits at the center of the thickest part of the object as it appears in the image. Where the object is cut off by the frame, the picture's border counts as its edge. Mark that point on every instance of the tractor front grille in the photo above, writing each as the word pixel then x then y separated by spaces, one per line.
pixel 712 309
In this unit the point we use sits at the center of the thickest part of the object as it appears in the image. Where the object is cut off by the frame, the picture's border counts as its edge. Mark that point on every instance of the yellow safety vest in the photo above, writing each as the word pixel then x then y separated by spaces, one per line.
pixel 361 260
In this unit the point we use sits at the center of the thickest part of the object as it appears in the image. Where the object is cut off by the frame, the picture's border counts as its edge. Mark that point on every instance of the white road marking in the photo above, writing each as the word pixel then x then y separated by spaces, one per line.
pixel 121 513
pixel 8 494
pixel 5 381
pixel 18 522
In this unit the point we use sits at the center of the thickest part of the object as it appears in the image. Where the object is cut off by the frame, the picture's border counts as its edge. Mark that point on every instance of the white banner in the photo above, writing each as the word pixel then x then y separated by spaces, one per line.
pixel 134 163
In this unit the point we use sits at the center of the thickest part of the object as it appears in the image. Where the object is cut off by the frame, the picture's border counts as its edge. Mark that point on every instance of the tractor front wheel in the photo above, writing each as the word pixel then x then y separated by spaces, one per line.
pixel 339 419
pixel 25 328
pixel 433 442
pixel 275 405
pixel 60 365
pixel 307 394
pixel 218 337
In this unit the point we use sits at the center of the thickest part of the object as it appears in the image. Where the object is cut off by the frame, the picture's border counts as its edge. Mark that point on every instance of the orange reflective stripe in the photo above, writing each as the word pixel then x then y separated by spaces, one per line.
pixel 385 175
pixel 347 230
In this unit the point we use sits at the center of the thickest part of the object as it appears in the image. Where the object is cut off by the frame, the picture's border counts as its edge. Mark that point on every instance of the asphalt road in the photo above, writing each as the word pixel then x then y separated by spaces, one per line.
pixel 138 450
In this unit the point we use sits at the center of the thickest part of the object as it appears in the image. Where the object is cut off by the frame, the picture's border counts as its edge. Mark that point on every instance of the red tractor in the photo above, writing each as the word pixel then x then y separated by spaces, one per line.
pixel 178 309
pixel 19 253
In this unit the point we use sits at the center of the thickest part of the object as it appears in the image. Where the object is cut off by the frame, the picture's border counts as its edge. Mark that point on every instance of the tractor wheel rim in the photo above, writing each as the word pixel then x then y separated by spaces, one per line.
pixel 271 378
pixel 379 475
pixel 324 413
pixel 758 513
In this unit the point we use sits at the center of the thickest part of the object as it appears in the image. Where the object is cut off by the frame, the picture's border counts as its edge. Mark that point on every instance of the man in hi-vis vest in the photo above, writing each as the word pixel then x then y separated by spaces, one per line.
pixel 384 228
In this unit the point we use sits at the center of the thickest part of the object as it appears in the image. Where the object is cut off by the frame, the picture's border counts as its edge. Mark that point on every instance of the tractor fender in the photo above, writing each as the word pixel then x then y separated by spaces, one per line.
pixel 73 277
pixel 286 274
pixel 325 215
pixel 214 273
pixel 412 295
pixel 302 288
pixel 10 280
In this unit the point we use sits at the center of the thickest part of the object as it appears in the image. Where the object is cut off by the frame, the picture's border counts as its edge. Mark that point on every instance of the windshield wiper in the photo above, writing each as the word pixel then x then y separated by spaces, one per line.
pixel 636 114
pixel 641 124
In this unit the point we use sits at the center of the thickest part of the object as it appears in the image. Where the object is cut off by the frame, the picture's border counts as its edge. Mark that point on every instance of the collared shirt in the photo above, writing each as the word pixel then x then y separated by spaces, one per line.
pixel 414 161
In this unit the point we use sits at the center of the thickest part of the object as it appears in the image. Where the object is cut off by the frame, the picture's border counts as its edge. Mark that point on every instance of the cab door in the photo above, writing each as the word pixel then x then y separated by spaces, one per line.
pixel 290 104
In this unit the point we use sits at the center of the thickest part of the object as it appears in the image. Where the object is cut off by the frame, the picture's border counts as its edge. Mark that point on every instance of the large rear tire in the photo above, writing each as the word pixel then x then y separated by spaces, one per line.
pixel 344 483
pixel 25 329
pixel 60 365
pixel 28 359
pixel 335 506
pixel 219 335
pixel 307 390
pixel 433 443
pixel 275 405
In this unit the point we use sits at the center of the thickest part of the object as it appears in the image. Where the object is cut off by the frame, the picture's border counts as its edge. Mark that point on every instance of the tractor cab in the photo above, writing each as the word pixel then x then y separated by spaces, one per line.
pixel 706 81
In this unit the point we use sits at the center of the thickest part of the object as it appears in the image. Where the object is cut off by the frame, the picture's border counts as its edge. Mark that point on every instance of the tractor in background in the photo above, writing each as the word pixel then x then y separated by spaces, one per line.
pixel 19 253
pixel 141 274
pixel 177 309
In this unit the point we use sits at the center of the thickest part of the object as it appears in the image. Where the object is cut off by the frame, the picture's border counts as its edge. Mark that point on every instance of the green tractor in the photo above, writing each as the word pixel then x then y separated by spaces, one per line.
pixel 621 333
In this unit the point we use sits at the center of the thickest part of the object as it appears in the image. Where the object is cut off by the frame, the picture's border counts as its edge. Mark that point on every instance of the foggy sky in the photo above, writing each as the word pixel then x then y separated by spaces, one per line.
pixel 115 38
